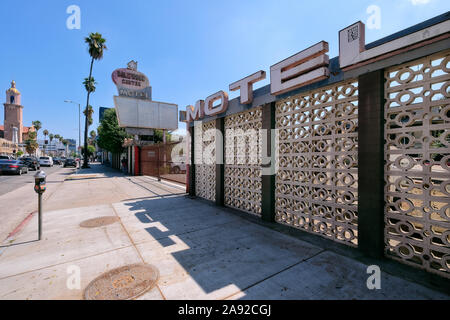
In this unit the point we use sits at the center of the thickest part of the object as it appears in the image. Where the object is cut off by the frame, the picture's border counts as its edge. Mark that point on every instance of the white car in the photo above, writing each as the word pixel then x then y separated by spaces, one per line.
pixel 178 167
pixel 46 161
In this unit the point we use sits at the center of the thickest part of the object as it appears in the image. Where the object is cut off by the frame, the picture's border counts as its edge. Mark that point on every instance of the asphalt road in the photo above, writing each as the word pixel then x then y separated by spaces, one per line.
pixel 9 182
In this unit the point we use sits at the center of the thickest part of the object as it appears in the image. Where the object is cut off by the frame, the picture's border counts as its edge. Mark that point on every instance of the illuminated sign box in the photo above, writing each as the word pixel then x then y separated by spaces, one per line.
pixel 138 113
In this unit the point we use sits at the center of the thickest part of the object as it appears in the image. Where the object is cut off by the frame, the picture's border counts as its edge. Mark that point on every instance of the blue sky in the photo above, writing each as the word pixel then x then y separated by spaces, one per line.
pixel 188 49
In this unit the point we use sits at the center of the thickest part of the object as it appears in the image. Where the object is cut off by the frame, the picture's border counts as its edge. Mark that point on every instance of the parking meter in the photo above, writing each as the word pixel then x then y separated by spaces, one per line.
pixel 40 186
pixel 40 182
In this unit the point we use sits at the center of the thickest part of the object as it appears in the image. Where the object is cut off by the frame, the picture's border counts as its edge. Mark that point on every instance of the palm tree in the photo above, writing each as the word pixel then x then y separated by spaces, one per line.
pixel 89 84
pixel 45 132
pixel 32 135
pixel 30 144
pixel 65 142
pixel 59 138
pixel 37 126
pixel 51 136
pixel 92 135
pixel 89 114
pixel 96 47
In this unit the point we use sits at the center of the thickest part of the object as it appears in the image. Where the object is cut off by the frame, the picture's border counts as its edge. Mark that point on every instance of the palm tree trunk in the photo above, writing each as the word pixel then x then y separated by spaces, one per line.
pixel 85 157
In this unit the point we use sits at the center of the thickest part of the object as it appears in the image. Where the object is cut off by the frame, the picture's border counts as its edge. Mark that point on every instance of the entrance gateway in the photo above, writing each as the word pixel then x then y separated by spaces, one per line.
pixel 359 144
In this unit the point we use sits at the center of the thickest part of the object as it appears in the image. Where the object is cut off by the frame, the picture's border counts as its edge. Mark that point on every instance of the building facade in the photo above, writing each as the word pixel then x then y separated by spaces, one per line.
pixel 8 147
pixel 13 128
pixel 354 149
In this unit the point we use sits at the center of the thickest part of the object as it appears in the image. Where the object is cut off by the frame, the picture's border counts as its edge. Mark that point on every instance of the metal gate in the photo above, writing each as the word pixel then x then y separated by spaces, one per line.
pixel 164 161
pixel 417 163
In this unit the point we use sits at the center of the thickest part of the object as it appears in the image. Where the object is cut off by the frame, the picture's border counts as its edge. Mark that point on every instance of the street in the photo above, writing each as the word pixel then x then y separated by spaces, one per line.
pixel 10 183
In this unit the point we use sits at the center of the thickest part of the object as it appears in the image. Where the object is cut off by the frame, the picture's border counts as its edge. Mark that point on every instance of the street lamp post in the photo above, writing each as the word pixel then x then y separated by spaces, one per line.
pixel 79 121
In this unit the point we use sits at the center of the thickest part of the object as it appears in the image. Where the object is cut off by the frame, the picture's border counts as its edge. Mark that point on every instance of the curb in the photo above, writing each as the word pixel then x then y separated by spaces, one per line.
pixel 21 225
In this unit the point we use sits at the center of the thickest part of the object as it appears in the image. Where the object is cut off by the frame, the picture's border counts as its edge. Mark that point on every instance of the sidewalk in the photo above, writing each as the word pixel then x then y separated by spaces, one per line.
pixel 201 251
pixel 16 205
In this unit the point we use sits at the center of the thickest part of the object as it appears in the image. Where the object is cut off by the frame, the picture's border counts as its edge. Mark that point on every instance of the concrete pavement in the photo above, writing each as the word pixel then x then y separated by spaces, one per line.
pixel 201 251
pixel 19 203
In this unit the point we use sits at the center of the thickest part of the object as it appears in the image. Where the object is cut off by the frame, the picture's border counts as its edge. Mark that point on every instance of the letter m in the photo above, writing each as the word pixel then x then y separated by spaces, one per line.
pixel 195 113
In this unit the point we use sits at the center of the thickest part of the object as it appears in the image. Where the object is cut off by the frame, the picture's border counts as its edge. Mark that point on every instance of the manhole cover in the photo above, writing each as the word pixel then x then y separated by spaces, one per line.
pixel 123 283
pixel 98 222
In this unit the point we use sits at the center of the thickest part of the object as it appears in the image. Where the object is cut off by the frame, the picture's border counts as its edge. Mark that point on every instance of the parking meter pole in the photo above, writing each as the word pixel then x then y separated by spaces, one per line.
pixel 39 188
pixel 40 214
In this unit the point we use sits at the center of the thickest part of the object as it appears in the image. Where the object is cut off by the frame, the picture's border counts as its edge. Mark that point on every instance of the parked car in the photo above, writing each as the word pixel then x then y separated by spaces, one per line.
pixel 70 163
pixel 31 162
pixel 13 166
pixel 177 168
pixel 46 161
pixel 57 160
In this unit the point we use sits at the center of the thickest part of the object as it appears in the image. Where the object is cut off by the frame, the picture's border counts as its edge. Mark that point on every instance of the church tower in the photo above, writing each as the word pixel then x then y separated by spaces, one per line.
pixel 13 114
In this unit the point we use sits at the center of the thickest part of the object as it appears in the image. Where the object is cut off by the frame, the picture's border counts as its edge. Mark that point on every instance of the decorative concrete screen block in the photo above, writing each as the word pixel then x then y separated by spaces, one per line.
pixel 317 178
pixel 417 169
pixel 204 157
pixel 243 147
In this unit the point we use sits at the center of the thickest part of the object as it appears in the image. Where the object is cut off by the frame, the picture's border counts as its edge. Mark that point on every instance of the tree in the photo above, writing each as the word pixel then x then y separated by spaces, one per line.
pixel 37 125
pixel 19 153
pixel 60 139
pixel 30 144
pixel 158 136
pixel 89 113
pixel 89 84
pixel 32 135
pixel 110 135
pixel 90 149
pixel 96 47
pixel 65 143
pixel 92 136
pixel 51 136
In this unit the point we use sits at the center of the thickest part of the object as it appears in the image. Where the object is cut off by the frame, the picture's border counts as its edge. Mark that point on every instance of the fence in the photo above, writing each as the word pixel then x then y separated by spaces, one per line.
pixel 243 149
pixel 164 161
pixel 317 178
pixel 417 163
pixel 361 158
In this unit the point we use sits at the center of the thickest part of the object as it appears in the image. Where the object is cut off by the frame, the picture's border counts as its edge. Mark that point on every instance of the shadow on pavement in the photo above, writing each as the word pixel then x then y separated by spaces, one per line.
pixel 219 248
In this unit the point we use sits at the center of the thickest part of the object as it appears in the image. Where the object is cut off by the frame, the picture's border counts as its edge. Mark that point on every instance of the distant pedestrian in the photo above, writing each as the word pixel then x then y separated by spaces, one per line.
pixel 124 165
